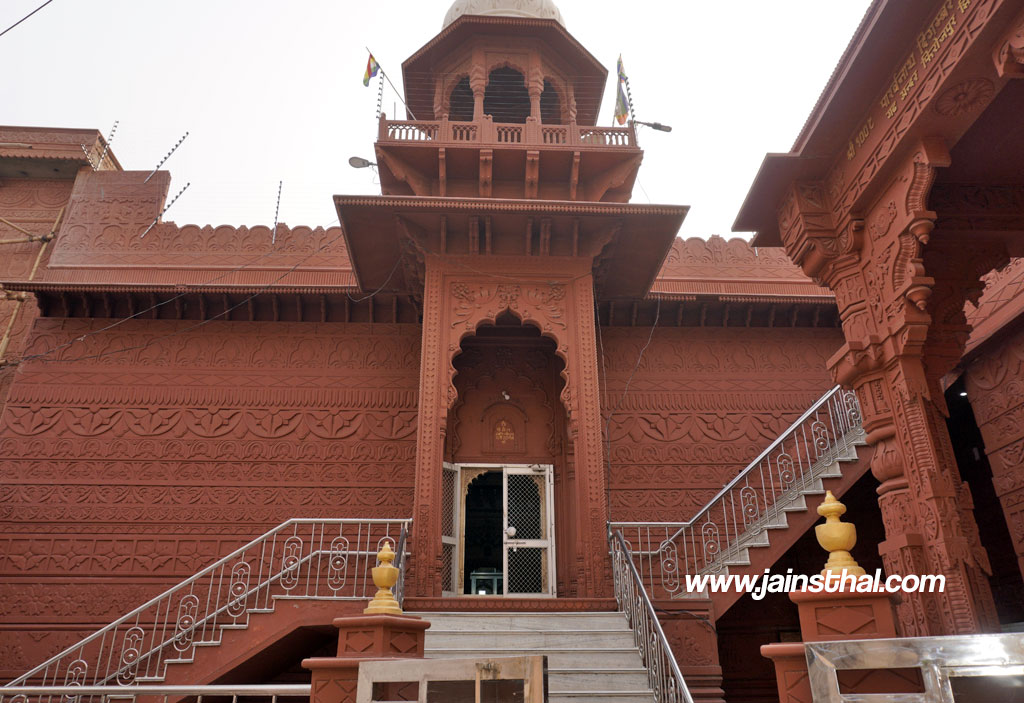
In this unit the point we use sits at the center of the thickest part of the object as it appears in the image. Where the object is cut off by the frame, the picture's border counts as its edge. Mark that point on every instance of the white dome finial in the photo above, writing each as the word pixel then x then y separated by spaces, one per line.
pixel 538 9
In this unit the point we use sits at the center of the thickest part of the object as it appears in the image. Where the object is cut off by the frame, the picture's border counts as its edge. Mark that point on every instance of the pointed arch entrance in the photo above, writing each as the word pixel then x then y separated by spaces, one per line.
pixel 505 469
pixel 556 299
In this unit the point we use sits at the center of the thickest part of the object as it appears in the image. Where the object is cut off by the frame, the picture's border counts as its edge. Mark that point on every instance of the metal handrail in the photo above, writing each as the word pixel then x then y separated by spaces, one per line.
pixel 229 597
pixel 668 684
pixel 753 500
pixel 284 690
pixel 751 466
pixel 399 563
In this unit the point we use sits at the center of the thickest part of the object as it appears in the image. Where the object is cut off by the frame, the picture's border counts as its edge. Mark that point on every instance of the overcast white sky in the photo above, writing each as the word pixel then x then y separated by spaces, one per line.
pixel 271 90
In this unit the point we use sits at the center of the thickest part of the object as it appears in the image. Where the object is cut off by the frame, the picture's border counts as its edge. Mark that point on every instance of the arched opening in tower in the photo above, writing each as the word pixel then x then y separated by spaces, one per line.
pixel 506 98
pixel 550 105
pixel 460 104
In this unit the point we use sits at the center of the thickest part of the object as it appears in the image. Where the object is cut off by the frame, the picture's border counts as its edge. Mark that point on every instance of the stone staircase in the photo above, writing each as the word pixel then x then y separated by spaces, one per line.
pixel 591 656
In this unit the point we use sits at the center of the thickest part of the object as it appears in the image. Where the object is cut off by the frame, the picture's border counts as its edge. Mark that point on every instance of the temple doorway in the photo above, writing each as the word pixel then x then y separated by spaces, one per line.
pixel 505 517
pixel 507 505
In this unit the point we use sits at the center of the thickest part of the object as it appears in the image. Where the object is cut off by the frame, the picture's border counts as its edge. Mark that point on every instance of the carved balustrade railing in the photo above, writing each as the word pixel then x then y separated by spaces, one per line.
pixel 532 133
pixel 664 553
pixel 310 559
pixel 663 674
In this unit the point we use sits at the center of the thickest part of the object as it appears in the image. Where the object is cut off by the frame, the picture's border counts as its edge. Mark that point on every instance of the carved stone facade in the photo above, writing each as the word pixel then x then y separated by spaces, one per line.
pixel 169 397
pixel 995 387
pixel 126 474
pixel 556 300
pixel 702 403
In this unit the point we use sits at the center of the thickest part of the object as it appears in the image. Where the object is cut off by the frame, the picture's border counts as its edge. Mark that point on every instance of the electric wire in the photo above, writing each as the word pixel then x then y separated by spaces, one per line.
pixel 625 391
pixel 25 17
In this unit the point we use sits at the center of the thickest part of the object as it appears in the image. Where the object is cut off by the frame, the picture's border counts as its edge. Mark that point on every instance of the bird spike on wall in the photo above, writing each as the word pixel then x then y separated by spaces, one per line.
pixel 88 156
pixel 277 209
pixel 157 218
pixel 163 160
pixel 380 98
pixel 106 146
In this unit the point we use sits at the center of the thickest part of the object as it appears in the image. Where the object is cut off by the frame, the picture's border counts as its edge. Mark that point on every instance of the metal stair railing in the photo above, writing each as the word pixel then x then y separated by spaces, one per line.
pixel 665 553
pixel 303 558
pixel 663 674
pixel 271 693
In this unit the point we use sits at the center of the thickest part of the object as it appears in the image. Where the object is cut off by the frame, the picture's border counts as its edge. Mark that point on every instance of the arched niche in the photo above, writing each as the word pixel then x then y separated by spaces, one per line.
pixel 508 382
pixel 551 108
pixel 460 101
pixel 539 305
pixel 506 98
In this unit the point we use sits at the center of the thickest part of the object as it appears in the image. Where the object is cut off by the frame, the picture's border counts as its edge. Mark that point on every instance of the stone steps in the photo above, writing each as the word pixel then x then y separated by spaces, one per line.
pixel 591 656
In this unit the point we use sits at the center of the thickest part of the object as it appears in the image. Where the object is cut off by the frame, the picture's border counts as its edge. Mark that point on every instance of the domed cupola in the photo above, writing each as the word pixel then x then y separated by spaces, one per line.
pixel 537 9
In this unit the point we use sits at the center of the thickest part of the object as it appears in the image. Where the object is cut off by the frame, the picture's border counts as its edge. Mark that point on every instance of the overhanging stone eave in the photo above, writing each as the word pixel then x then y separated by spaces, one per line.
pixel 371 226
pixel 758 212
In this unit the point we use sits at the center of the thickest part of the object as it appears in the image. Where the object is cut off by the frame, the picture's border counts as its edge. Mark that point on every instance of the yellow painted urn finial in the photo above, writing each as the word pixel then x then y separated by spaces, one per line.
pixel 385 577
pixel 837 538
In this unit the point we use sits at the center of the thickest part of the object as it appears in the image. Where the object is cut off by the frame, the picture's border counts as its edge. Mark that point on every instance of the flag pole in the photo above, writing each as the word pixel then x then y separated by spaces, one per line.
pixel 384 73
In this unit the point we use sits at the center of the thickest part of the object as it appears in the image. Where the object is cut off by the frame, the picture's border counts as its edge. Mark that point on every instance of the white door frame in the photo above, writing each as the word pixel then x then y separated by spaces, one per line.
pixel 549 523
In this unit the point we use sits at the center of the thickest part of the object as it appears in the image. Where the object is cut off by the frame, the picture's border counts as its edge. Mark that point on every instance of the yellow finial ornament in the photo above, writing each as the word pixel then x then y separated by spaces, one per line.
pixel 837 538
pixel 385 577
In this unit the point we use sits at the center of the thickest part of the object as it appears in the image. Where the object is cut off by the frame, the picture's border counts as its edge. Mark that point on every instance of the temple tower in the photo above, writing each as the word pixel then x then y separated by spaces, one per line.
pixel 504 213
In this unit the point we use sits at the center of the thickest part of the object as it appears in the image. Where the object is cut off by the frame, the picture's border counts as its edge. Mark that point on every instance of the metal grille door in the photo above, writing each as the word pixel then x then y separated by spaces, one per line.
pixel 528 557
pixel 450 530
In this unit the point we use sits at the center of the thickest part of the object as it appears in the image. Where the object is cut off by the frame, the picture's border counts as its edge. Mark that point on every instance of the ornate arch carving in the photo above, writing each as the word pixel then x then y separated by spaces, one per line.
pixel 541 304
pixel 494 64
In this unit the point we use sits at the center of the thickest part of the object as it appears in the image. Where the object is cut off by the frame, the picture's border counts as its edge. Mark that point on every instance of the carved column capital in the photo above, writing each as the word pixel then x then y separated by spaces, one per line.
pixel 806 226
pixel 1008 54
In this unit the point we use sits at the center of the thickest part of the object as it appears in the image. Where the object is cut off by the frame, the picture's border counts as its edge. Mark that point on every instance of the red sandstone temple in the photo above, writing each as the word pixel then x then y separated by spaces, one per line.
pixel 553 407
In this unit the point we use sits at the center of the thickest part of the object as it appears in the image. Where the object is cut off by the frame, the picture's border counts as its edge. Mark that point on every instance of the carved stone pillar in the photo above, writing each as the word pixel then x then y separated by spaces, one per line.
pixel 478 84
pixel 927 531
pixel 430 437
pixel 899 326
pixel 582 394
pixel 994 383
pixel 535 90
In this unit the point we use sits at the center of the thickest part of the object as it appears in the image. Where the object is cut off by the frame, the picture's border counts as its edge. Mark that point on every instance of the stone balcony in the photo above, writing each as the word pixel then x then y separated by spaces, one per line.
pixel 489 159
pixel 445 132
